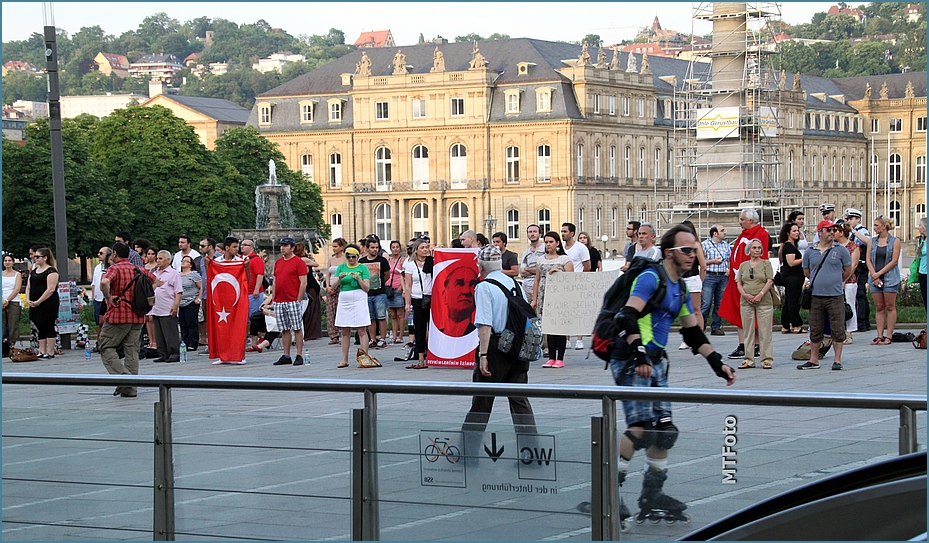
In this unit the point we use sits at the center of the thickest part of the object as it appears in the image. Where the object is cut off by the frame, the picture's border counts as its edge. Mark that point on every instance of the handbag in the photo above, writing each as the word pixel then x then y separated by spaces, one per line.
pixel 778 280
pixel 23 355
pixel 427 298
pixel 919 341
pixel 366 361
pixel 913 277
pixel 776 296
pixel 848 312
pixel 806 297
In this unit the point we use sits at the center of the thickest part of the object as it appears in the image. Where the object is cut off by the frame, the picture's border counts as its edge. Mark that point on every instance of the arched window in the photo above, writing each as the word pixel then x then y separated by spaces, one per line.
pixel 643 214
pixel 893 212
pixel 512 224
pixel 420 168
pixel 306 166
pixel 543 164
pixel 458 219
pixel 580 160
pixel 895 170
pixel 458 166
pixel 420 219
pixel 545 220
pixel 335 171
pixel 382 221
pixel 382 167
pixel 512 164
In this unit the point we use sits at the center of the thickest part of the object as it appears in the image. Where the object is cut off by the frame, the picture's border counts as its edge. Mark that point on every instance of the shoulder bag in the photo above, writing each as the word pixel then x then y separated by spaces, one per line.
pixel 427 298
pixel 806 297
pixel 913 277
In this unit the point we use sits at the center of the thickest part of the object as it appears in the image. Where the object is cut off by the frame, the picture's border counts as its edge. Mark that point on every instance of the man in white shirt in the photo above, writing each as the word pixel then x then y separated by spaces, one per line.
pixel 647 247
pixel 531 257
pixel 579 255
pixel 184 244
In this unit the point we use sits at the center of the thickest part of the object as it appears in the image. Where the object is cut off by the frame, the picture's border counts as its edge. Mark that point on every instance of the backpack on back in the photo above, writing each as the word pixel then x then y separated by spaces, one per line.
pixel 523 326
pixel 143 293
pixel 605 333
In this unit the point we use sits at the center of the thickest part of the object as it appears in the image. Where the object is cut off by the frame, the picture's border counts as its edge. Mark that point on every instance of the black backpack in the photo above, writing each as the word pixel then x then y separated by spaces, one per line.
pixel 606 332
pixel 143 294
pixel 523 326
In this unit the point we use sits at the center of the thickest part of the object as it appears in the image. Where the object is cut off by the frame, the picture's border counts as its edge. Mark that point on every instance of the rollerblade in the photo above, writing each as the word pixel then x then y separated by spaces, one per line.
pixel 655 505
pixel 624 514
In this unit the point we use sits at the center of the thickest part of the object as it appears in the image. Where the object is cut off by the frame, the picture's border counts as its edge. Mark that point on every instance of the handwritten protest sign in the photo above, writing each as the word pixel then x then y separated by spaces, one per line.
pixel 572 301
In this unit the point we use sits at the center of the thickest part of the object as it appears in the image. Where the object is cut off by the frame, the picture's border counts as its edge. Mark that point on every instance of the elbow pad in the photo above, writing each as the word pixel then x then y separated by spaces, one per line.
pixel 627 321
pixel 694 338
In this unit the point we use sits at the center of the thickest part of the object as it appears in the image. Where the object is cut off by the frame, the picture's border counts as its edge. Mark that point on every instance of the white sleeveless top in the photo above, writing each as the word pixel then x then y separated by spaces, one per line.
pixel 8 284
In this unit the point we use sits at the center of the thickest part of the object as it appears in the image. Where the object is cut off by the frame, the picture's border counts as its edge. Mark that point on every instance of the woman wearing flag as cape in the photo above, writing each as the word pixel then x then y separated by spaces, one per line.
pixel 729 308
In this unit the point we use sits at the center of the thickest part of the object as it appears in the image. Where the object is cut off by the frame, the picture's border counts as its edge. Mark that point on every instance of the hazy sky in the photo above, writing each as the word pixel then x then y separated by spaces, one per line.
pixel 613 21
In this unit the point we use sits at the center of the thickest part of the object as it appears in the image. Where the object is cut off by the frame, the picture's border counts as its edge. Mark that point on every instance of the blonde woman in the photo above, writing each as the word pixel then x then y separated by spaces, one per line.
pixel 755 280
pixel 884 278
pixel 332 288
pixel 417 273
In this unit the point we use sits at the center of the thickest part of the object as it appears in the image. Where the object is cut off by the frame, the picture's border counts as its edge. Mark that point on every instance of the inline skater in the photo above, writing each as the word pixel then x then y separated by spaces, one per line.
pixel 641 361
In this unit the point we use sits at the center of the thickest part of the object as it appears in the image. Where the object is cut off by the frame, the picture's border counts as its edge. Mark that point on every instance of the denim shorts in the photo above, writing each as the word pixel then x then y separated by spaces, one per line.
pixel 883 288
pixel 377 306
pixel 396 300
pixel 642 411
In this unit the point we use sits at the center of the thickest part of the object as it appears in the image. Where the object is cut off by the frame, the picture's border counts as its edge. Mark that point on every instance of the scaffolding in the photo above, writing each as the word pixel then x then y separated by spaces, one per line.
pixel 727 120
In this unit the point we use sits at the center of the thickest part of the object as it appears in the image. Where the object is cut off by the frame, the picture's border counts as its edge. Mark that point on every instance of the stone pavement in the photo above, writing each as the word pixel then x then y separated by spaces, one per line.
pixel 267 464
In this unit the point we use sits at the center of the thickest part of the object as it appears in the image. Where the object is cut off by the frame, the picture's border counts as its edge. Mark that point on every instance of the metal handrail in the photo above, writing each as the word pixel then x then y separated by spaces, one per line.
pixel 714 396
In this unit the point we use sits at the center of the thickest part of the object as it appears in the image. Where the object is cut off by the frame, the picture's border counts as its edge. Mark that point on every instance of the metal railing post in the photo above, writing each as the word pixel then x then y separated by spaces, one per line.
pixel 369 515
pixel 907 430
pixel 596 478
pixel 357 471
pixel 163 510
pixel 610 471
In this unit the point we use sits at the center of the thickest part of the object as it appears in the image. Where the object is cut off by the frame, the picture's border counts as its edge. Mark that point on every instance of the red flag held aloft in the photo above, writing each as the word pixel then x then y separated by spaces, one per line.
pixel 226 309
pixel 729 308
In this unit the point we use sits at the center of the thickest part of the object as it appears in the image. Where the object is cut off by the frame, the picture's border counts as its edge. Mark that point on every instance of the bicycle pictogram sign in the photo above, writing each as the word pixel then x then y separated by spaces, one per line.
pixel 440 447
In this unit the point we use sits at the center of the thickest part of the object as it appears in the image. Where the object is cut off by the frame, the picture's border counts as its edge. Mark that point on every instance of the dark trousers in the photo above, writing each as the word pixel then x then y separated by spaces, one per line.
pixel 167 337
pixel 421 325
pixel 556 347
pixel 922 288
pixel 861 300
pixel 790 306
pixel 502 370
pixel 714 286
pixel 190 329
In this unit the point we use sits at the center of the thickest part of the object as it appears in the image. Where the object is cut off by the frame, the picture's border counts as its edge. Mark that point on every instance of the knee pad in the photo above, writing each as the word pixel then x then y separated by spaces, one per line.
pixel 665 433
pixel 643 442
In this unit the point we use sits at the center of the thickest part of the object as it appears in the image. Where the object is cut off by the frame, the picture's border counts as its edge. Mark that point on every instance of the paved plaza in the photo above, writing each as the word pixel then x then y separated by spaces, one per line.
pixel 276 465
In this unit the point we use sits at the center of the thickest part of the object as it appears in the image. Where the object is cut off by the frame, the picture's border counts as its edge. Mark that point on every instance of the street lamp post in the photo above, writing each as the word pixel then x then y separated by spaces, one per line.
pixel 490 224
pixel 604 239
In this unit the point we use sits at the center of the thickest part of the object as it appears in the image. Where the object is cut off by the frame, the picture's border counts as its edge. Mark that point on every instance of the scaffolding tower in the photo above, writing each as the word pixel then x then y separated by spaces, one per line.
pixel 727 120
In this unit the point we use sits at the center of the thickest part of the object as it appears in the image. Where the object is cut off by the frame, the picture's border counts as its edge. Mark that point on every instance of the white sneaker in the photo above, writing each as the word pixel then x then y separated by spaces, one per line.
pixel 218 362
pixel 579 346
pixel 683 346
pixel 239 363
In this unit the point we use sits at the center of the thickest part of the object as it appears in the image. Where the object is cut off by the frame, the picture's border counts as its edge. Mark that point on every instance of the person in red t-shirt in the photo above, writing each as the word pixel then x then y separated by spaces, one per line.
pixel 121 323
pixel 289 288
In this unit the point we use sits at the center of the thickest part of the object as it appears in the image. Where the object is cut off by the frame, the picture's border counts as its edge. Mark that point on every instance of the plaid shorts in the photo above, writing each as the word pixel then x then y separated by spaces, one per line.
pixel 289 315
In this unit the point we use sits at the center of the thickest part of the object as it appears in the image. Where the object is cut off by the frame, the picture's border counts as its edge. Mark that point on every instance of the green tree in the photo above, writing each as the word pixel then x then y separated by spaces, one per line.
pixel 592 40
pixel 95 207
pixel 23 86
pixel 796 57
pixel 472 37
pixel 174 183
pixel 498 36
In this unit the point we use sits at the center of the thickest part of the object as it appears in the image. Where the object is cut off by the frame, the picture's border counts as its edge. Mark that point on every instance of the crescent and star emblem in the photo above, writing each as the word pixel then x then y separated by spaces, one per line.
pixel 225 278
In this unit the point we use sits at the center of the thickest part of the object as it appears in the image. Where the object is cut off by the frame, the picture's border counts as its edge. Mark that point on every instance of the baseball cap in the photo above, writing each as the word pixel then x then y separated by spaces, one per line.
pixel 852 212
pixel 824 224
pixel 288 241
pixel 826 208
pixel 489 253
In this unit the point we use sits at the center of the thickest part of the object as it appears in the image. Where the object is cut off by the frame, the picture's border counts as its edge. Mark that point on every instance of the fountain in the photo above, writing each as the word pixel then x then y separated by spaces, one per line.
pixel 274 219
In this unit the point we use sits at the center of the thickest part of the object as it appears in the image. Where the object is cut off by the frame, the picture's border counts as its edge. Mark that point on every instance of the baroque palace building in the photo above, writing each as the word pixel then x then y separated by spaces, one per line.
pixel 497 135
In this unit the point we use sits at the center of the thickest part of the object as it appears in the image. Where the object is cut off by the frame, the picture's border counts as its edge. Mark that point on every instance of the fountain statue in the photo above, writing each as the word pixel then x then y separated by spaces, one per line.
pixel 274 219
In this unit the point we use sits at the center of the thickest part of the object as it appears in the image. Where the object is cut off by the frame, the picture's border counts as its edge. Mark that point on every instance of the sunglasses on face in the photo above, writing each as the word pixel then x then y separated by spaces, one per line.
pixel 351 256
pixel 751 273
pixel 684 250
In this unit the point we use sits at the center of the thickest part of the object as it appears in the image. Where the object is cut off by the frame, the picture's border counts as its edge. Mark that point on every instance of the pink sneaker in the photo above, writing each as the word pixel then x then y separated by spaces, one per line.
pixel 550 364
pixel 558 364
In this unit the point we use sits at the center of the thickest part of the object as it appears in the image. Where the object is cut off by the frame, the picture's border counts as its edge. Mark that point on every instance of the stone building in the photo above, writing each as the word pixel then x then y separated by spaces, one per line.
pixel 498 135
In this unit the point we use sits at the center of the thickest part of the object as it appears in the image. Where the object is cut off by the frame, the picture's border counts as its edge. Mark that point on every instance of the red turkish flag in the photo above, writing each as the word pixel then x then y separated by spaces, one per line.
pixel 226 309
pixel 729 307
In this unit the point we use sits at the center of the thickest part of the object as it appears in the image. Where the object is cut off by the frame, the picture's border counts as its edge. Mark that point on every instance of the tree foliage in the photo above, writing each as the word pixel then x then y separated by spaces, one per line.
pixel 592 40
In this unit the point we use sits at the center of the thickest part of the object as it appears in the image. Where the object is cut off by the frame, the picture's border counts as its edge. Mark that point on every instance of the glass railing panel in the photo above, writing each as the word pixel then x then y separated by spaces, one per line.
pixel 77 474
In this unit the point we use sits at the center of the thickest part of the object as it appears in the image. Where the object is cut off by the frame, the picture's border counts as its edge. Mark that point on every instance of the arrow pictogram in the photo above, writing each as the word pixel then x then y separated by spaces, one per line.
pixel 494 454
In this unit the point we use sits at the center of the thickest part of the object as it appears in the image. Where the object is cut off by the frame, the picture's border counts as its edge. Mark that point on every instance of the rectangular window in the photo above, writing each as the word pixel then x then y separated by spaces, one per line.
pixel 335 171
pixel 790 119
pixel 599 222
pixel 920 124
pixel 625 106
pixel 545 220
pixel 419 109
pixel 380 111
pixel 335 112
pixel 543 164
pixel 896 125
pixel 921 169
pixel 668 111
pixel 613 213
pixel 876 126
pixel 543 101
pixel 640 106
pixel 264 115
pixel 512 103
pixel 512 224
pixel 306 113
pixel 595 99
pixel 512 164
pixel 612 105
pixel 612 161
pixel 457 107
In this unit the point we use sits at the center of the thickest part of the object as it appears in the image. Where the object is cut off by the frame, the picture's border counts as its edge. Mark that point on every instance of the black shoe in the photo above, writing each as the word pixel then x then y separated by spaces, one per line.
pixel 283 361
pixel 118 391
pixel 298 360
pixel 757 351
pixel 717 332
pixel 837 366
pixel 170 360
pixel 738 353
pixel 160 359
pixel 128 393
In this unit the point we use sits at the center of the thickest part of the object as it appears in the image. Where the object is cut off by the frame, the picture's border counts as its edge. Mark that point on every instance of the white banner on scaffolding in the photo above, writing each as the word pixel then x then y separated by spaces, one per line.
pixel 768 121
pixel 717 123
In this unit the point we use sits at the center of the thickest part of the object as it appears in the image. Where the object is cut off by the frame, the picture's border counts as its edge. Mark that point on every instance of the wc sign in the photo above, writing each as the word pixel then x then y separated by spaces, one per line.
pixel 537 460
